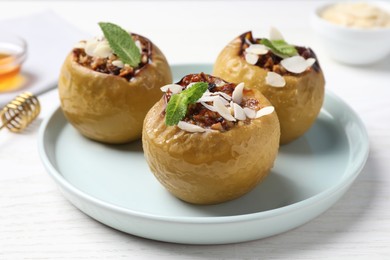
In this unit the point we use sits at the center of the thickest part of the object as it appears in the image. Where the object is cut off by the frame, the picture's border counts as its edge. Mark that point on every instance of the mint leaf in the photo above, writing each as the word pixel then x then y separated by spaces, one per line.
pixel 121 43
pixel 280 48
pixel 195 91
pixel 284 47
pixel 176 109
pixel 178 104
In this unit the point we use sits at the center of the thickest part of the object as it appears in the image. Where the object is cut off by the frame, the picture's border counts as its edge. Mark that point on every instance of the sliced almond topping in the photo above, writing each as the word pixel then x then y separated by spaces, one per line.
pixel 224 101
pixel 237 93
pixel 118 63
pixel 80 45
pixel 251 58
pixel 223 110
pixel 258 49
pixel 209 107
pixel 275 34
pixel 250 112
pixel 102 50
pixel 190 127
pixel 211 96
pixel 265 111
pixel 90 46
pixel 206 98
pixel 274 79
pixel 239 113
pixel 224 95
pixel 310 62
pixel 219 82
pixel 139 45
pixel 297 64
pixel 175 88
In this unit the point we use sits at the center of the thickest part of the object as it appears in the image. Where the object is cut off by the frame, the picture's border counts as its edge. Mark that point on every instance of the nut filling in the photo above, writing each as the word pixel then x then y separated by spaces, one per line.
pixel 221 107
pixel 111 64
pixel 271 62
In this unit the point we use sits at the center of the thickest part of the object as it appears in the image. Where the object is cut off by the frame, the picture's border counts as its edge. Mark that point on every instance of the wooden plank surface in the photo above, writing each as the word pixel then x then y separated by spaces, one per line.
pixel 37 222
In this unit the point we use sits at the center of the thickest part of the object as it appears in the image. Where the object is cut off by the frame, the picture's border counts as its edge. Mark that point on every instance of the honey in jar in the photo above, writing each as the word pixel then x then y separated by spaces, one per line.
pixel 10 78
pixel 13 52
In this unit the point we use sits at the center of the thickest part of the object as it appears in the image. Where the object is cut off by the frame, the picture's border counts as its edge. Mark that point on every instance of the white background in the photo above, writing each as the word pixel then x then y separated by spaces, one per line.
pixel 37 222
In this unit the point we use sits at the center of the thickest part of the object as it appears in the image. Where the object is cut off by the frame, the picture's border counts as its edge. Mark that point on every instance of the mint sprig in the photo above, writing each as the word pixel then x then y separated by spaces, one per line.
pixel 280 48
pixel 178 104
pixel 121 43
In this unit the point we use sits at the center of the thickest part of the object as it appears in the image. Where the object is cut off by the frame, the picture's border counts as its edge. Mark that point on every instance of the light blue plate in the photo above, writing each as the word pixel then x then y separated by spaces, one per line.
pixel 113 184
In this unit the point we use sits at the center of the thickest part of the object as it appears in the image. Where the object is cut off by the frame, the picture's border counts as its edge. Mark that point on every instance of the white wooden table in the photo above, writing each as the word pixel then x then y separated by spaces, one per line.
pixel 37 222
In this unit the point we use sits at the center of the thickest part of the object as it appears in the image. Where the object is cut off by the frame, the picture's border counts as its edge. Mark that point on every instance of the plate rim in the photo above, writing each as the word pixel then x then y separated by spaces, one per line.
pixel 351 172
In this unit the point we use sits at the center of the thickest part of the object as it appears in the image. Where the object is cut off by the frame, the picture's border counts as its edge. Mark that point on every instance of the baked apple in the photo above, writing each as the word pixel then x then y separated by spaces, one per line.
pixel 106 99
pixel 221 146
pixel 289 76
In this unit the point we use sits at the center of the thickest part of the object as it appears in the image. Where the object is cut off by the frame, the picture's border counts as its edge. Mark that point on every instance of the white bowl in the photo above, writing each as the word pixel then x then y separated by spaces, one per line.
pixel 353 46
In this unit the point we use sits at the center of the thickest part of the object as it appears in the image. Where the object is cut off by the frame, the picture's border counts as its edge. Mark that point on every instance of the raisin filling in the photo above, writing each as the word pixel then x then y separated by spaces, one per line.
pixel 105 65
pixel 270 61
pixel 199 115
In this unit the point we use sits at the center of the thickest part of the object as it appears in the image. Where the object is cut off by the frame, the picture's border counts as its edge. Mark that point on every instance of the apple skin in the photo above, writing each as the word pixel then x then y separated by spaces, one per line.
pixel 210 167
pixel 297 104
pixel 109 108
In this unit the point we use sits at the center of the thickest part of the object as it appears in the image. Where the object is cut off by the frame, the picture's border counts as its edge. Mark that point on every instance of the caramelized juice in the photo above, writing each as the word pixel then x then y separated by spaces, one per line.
pixel 10 77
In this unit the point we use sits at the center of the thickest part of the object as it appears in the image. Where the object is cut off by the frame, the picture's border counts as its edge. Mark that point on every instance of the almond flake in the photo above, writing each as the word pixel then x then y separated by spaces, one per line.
pixel 274 79
pixel 310 62
pixel 139 45
pixel 102 50
pixel 250 112
pixel 275 34
pixel 224 95
pixel 190 127
pixel 174 88
pixel 258 49
pixel 211 96
pixel 265 111
pixel 224 101
pixel 118 63
pixel 297 64
pixel 90 46
pixel 251 58
pixel 206 98
pixel 80 45
pixel 209 107
pixel 222 110
pixel 237 93
pixel 239 112
pixel 219 83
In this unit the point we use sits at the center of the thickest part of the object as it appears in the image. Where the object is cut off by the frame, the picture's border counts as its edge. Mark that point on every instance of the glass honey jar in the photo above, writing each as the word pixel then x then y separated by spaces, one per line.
pixel 13 52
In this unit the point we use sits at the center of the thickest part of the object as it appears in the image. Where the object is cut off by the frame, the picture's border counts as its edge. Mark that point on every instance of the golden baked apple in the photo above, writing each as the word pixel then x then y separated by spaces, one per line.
pixel 105 98
pixel 289 76
pixel 208 141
